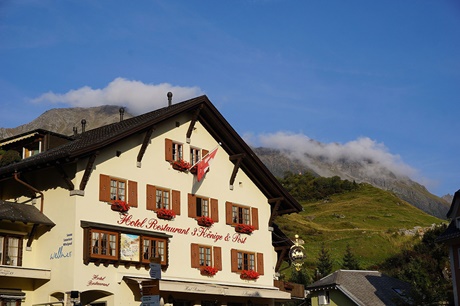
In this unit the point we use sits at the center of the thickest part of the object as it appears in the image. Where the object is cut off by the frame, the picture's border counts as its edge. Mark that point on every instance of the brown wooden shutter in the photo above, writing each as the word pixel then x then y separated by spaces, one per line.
pixel 176 201
pixel 86 245
pixel 218 258
pixel 204 152
pixel 104 188
pixel 255 217
pixel 191 205
pixel 132 193
pixel 228 212
pixel 151 197
pixel 195 255
pixel 168 149
pixel 260 263
pixel 234 260
pixel 19 252
pixel 215 210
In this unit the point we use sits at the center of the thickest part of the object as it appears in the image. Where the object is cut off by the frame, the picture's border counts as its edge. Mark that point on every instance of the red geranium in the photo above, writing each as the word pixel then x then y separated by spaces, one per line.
pixel 244 228
pixel 164 213
pixel 249 275
pixel 208 271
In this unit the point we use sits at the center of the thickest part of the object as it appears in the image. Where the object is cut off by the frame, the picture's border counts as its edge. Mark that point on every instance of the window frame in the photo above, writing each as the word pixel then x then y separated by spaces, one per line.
pixel 203 207
pixel 90 256
pixel 250 263
pixel 177 151
pixel 117 195
pixel 241 214
pixel 100 247
pixel 215 255
pixel 163 199
pixel 157 248
pixel 5 249
pixel 195 155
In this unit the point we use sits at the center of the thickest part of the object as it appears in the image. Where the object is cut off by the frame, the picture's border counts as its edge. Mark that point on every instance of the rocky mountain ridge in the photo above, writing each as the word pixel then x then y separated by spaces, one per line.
pixel 64 120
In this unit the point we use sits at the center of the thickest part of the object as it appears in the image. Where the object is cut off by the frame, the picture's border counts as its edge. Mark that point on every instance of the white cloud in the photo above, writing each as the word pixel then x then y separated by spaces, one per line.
pixel 365 151
pixel 136 96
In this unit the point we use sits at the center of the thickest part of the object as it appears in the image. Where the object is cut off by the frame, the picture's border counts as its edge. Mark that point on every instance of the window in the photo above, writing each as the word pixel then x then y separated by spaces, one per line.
pixel 206 255
pixel 202 207
pixel 244 260
pixel 112 188
pixel 153 247
pixel 117 189
pixel 239 214
pixel 10 250
pixel 110 244
pixel 162 198
pixel 199 206
pixel 104 244
pixel 10 302
pixel 159 197
pixel 177 151
pixel 195 155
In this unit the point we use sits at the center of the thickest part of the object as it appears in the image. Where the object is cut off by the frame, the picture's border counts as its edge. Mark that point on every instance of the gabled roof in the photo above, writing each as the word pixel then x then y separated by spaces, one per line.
pixel 30 134
pixel 365 288
pixel 87 143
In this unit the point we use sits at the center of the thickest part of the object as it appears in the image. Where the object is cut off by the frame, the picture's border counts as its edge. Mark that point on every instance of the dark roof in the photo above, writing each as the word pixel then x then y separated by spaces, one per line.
pixel 91 141
pixel 18 212
pixel 32 133
pixel 452 232
pixel 365 288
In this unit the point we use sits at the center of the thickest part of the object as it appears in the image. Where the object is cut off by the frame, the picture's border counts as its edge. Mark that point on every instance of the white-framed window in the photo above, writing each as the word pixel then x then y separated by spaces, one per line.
pixel 10 250
pixel 177 151
pixel 195 155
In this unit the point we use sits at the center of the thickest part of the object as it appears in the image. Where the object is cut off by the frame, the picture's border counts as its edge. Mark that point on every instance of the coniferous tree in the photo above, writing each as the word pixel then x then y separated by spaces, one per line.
pixel 349 261
pixel 324 264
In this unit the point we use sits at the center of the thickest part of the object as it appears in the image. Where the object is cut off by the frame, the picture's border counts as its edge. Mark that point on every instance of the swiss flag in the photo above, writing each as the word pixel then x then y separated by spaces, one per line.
pixel 203 165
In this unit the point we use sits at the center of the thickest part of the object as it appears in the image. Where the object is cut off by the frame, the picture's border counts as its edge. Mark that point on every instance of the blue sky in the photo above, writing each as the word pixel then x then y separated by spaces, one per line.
pixel 375 78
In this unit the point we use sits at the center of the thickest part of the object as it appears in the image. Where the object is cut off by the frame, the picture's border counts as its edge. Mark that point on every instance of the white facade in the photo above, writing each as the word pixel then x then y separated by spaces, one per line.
pixel 57 256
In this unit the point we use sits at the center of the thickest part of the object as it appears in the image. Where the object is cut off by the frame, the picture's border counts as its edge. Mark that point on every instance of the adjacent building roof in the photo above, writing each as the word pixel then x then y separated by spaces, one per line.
pixel 89 142
pixel 19 212
pixel 365 288
pixel 452 231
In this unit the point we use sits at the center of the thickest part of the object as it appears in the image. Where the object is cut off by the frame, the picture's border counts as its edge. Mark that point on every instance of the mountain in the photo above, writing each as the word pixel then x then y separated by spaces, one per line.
pixel 370 172
pixel 64 120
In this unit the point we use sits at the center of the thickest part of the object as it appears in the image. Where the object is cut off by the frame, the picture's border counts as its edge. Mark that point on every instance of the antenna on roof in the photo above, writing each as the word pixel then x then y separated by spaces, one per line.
pixel 83 125
pixel 169 98
pixel 122 111
pixel 75 131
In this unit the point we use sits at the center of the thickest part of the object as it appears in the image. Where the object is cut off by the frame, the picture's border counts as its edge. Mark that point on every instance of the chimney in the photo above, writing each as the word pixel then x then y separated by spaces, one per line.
pixel 83 125
pixel 122 111
pixel 169 98
pixel 75 131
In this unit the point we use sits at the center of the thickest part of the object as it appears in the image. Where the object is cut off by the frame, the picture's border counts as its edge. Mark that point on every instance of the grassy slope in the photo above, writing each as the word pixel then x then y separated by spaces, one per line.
pixel 368 219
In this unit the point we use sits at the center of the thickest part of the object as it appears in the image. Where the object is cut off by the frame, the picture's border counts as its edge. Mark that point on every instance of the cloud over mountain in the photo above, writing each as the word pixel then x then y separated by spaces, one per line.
pixel 371 155
pixel 136 96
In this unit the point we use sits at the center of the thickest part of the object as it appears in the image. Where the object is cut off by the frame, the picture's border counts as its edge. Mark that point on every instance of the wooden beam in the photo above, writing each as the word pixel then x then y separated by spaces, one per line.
pixel 238 158
pixel 277 202
pixel 192 123
pixel 89 168
pixel 31 235
pixel 65 177
pixel 281 256
pixel 145 143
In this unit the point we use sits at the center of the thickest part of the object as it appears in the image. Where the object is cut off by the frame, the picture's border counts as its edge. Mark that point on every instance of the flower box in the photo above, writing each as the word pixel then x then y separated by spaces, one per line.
pixel 244 228
pixel 205 221
pixel 166 214
pixel 119 205
pixel 208 271
pixel 181 165
pixel 249 275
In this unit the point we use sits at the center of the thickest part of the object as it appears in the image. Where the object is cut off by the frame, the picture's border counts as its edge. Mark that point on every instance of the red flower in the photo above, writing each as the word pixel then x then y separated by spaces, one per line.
pixel 205 221
pixel 244 228
pixel 249 275
pixel 119 205
pixel 208 271
pixel 164 213
pixel 181 165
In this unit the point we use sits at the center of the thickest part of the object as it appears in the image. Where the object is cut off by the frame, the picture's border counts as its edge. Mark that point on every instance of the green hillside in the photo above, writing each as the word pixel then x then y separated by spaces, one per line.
pixel 368 219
